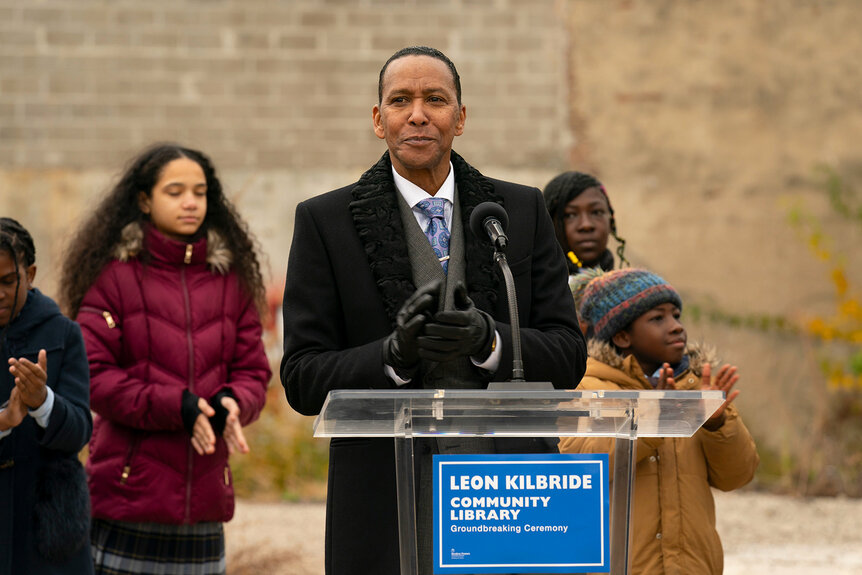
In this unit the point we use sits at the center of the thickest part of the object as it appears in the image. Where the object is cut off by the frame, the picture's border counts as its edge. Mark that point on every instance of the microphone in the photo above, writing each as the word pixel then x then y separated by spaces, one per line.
pixel 491 219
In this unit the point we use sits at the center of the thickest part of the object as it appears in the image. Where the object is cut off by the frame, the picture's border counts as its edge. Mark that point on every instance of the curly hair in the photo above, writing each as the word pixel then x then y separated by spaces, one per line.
pixel 92 246
pixel 563 189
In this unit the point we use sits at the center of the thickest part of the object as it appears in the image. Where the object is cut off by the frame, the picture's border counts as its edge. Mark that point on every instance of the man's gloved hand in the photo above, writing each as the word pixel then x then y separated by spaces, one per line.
pixel 400 348
pixel 463 331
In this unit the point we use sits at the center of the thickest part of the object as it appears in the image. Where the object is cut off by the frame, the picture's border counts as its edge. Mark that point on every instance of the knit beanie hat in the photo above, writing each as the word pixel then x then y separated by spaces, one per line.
pixel 612 301
pixel 578 283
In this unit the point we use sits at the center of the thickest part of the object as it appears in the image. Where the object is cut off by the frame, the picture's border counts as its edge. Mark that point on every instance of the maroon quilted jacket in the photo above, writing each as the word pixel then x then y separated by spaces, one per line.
pixel 178 321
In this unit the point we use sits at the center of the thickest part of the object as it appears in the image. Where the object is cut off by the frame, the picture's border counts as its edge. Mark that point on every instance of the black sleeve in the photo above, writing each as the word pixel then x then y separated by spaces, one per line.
pixel 317 354
pixel 71 423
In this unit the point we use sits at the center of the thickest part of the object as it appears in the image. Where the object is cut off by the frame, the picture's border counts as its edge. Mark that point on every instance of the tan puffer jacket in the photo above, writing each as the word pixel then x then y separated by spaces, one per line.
pixel 673 508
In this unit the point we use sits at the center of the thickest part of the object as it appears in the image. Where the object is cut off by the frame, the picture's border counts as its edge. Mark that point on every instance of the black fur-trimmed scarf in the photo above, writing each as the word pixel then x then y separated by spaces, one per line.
pixel 376 216
pixel 61 516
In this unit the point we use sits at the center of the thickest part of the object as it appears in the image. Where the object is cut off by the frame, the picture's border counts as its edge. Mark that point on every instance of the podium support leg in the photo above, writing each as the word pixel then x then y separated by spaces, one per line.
pixel 406 505
pixel 621 504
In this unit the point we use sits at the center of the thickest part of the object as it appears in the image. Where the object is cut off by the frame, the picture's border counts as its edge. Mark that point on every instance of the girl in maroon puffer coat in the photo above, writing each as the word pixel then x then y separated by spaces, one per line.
pixel 165 283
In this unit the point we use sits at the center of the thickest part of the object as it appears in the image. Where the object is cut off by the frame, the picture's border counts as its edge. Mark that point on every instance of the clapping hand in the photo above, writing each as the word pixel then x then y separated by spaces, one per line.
pixel 203 436
pixel 724 381
pixel 463 331
pixel 400 348
pixel 665 377
pixel 14 413
pixel 233 435
pixel 31 379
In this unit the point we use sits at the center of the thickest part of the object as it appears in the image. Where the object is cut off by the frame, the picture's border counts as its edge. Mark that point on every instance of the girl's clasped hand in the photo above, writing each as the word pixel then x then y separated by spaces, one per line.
pixel 203 435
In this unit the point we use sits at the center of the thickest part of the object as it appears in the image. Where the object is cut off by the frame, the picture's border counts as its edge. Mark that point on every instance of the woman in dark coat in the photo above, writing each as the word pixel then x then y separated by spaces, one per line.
pixel 45 421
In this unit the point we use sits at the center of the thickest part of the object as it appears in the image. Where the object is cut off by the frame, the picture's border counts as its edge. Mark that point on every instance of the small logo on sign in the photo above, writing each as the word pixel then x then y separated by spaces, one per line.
pixel 457 555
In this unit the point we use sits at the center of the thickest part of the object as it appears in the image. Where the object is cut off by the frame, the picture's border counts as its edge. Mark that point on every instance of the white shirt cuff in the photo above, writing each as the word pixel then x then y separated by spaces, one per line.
pixel 42 414
pixel 493 362
pixel 390 373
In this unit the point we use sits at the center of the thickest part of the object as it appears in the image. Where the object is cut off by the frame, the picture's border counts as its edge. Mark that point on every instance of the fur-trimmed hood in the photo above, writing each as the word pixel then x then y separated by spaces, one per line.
pixel 218 255
pixel 604 353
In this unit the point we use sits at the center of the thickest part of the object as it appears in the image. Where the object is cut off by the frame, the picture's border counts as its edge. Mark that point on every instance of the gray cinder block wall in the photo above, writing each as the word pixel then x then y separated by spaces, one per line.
pixel 279 94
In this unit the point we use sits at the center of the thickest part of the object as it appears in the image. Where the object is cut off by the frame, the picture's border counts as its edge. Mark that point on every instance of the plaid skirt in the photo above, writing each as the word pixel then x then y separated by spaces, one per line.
pixel 121 548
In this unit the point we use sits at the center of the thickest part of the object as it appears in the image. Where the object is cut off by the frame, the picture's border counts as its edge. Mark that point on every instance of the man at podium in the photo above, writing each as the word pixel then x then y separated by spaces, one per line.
pixel 387 288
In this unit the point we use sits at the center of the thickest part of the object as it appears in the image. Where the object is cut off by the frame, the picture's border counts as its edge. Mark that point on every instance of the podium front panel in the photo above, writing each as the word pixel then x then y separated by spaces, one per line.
pixel 483 413
pixel 408 414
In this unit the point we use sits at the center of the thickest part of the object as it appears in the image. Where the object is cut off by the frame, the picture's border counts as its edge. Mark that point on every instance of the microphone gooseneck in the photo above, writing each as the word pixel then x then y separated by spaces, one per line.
pixel 489 221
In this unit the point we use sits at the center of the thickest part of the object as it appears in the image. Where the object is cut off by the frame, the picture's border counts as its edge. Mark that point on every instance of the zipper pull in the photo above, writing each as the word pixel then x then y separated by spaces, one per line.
pixel 125 475
pixel 109 320
pixel 188 258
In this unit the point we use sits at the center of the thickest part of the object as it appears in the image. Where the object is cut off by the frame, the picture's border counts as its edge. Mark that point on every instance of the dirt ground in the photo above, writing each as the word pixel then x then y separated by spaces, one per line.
pixel 762 534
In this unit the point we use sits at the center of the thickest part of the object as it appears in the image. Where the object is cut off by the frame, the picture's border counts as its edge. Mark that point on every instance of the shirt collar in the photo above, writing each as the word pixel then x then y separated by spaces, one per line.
pixel 413 194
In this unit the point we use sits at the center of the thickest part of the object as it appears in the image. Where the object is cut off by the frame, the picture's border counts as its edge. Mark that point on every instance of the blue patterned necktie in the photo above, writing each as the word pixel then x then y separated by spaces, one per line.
pixel 437 232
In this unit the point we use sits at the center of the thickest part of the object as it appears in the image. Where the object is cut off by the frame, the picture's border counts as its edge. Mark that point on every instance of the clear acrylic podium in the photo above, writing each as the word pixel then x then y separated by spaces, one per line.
pixel 624 415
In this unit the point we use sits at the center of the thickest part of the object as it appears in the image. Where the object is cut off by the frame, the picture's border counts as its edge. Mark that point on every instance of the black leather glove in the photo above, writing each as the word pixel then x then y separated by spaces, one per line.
pixel 400 348
pixel 463 331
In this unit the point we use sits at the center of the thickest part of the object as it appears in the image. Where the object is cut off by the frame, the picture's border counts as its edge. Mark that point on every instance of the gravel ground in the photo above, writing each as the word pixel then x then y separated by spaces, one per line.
pixel 789 536
pixel 762 534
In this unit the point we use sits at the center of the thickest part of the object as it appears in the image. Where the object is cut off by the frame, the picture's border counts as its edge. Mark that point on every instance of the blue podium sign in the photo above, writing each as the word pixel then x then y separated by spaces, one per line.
pixel 521 513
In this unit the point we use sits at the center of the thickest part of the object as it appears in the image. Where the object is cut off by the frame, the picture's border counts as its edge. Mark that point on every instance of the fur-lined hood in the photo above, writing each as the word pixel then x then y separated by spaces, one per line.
pixel 604 353
pixel 219 256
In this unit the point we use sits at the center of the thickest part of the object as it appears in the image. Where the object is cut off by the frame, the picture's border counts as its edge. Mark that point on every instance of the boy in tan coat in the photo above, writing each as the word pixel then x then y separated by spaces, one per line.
pixel 638 342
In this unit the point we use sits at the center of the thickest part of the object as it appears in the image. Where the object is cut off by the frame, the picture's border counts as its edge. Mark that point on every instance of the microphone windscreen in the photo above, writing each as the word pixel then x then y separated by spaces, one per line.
pixel 484 211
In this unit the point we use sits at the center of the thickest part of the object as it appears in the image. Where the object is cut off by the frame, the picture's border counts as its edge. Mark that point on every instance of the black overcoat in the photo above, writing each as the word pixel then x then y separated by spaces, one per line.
pixel 348 275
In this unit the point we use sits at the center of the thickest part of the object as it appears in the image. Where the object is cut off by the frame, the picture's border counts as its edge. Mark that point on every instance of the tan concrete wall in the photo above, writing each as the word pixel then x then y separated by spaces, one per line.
pixel 708 121
pixel 703 118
